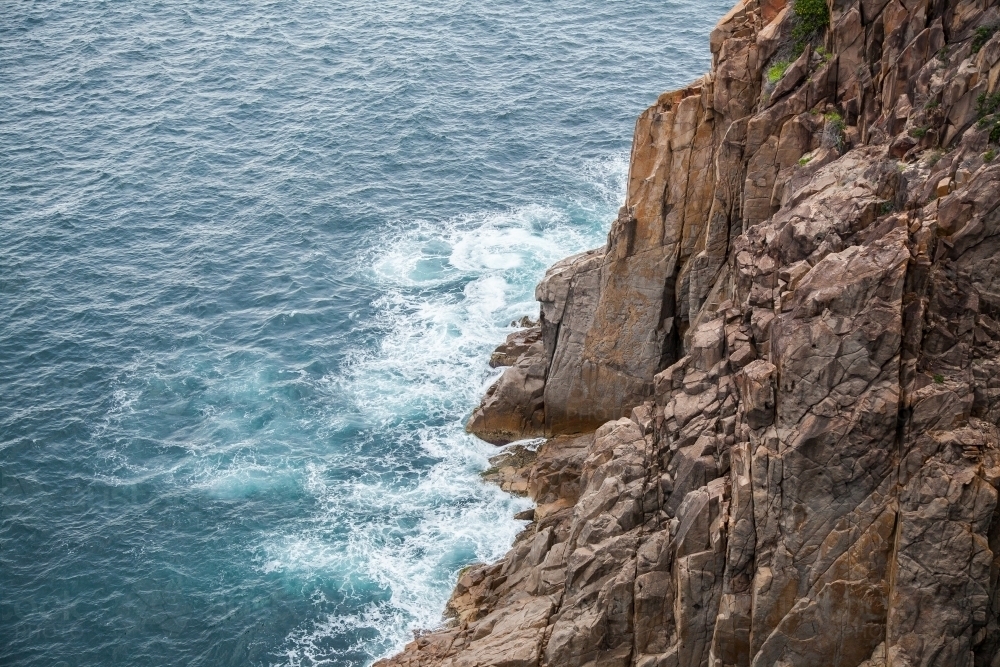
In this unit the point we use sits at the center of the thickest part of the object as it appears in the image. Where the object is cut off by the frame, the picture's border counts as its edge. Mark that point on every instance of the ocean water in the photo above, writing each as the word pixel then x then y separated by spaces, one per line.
pixel 253 258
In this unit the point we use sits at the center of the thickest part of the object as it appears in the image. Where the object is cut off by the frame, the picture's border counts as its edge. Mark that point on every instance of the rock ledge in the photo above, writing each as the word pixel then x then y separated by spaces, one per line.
pixel 772 399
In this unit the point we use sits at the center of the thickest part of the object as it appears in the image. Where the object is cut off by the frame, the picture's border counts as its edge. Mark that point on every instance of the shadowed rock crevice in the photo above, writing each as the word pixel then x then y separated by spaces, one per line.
pixel 773 398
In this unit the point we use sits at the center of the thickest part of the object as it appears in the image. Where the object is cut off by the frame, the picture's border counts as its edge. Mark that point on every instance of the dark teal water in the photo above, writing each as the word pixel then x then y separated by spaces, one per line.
pixel 253 257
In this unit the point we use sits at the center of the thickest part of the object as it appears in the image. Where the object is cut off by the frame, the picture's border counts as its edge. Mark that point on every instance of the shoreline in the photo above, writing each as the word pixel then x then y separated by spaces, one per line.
pixel 770 417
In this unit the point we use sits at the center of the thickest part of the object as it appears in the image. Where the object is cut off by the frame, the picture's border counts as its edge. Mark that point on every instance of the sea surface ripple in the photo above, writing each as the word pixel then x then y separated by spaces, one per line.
pixel 253 257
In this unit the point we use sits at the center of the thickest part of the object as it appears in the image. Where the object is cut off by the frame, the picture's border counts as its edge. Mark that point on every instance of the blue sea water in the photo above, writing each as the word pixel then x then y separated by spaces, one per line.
pixel 253 257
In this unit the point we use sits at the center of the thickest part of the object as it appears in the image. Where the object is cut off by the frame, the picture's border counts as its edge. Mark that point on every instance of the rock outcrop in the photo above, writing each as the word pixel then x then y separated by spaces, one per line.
pixel 773 397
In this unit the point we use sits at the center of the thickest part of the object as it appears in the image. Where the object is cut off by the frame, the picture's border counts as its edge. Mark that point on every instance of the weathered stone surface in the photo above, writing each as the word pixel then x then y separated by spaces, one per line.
pixel 786 363
pixel 516 345
pixel 568 296
pixel 512 408
pixel 510 470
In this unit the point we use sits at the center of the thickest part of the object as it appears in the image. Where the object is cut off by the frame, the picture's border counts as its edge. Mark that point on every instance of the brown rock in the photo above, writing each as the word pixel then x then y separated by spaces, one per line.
pixel 516 346
pixel 786 362
pixel 943 187
pixel 512 408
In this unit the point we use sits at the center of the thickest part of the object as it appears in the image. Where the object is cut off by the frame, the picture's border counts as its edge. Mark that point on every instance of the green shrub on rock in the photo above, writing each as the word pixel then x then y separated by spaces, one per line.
pixel 983 35
pixel 777 70
pixel 813 17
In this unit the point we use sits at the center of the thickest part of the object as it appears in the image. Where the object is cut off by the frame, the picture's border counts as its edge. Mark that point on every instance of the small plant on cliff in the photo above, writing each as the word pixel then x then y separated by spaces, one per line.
pixel 987 105
pixel 777 70
pixel 835 120
pixel 918 132
pixel 833 132
pixel 803 161
pixel 812 17
pixel 983 35
pixel 939 379
pixel 989 155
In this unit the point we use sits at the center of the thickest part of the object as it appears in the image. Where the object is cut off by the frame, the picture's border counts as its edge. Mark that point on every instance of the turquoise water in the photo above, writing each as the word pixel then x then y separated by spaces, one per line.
pixel 252 262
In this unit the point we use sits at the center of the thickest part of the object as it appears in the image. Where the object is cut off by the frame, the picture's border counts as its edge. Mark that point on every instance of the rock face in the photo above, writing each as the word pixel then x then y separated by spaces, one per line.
pixel 773 398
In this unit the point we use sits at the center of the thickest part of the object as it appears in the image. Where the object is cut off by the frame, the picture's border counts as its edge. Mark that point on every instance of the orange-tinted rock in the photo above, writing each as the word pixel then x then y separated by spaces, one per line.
pixel 788 359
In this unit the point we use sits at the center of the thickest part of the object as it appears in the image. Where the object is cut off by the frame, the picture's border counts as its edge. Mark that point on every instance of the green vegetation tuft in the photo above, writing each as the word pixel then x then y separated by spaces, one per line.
pixel 803 161
pixel 918 132
pixel 823 53
pixel 833 133
pixel 987 107
pixel 939 379
pixel 813 17
pixel 989 155
pixel 983 35
pixel 777 70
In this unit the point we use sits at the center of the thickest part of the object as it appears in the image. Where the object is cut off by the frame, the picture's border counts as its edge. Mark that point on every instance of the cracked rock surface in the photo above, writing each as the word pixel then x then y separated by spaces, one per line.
pixel 773 398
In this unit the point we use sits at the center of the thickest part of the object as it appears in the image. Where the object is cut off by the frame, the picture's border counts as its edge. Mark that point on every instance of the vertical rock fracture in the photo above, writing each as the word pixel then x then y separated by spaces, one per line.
pixel 772 399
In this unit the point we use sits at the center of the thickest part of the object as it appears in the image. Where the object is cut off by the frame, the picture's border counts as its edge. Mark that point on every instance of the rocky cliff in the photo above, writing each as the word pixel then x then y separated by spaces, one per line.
pixel 772 399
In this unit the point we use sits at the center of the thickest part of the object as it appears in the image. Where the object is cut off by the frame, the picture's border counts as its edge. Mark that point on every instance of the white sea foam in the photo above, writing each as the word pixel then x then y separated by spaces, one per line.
pixel 449 292
pixel 242 478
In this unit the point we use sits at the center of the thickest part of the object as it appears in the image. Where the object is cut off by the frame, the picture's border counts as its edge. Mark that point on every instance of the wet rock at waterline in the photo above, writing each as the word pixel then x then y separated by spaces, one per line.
pixel 772 397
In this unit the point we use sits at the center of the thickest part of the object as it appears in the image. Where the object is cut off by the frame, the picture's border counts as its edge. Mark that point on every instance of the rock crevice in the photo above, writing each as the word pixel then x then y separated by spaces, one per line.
pixel 773 398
